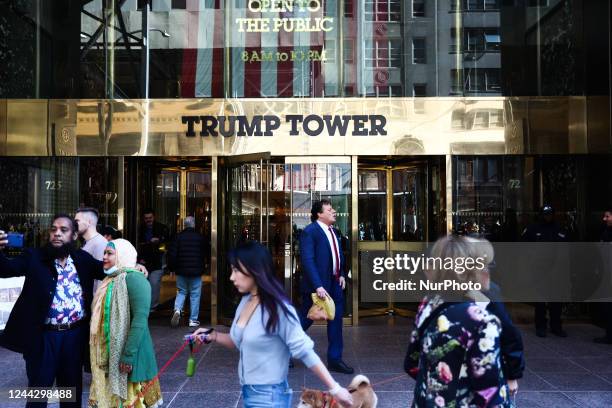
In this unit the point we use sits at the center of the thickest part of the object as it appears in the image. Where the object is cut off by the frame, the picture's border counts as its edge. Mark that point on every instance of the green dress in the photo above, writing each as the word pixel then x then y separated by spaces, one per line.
pixel 139 351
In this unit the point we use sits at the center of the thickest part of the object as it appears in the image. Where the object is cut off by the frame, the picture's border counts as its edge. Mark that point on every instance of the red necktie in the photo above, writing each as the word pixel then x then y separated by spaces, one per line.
pixel 336 255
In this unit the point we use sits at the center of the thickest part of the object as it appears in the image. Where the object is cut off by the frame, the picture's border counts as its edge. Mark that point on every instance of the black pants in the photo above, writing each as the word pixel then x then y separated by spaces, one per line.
pixel 554 310
pixel 61 360
pixel 606 314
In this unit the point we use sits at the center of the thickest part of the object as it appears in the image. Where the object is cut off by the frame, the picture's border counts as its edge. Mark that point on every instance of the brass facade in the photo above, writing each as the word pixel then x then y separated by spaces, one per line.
pixel 422 126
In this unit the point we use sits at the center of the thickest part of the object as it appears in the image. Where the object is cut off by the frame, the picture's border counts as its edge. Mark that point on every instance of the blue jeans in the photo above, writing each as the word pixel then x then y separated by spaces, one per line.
pixel 155 278
pixel 192 286
pixel 267 396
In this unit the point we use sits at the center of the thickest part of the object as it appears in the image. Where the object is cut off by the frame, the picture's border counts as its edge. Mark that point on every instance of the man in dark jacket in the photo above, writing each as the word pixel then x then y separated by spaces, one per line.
pixel 606 236
pixel 187 257
pixel 49 324
pixel 546 230
pixel 151 236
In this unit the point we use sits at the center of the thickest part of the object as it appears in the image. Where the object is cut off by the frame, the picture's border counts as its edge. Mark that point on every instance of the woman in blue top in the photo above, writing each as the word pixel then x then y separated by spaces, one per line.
pixel 267 332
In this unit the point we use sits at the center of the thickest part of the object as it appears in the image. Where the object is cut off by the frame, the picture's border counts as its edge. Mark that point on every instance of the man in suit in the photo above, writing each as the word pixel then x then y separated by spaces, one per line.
pixel 50 320
pixel 323 273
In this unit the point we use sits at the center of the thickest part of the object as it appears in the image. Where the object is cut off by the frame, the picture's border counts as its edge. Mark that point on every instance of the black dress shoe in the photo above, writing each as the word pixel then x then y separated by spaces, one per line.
pixel 340 367
pixel 559 332
pixel 603 340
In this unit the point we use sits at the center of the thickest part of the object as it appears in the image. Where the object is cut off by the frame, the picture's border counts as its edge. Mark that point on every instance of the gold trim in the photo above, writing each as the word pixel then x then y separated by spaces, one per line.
pixel 183 199
pixel 3 126
pixel 317 159
pixel 449 194
pixel 120 193
pixel 214 177
pixel 453 125
pixel 355 237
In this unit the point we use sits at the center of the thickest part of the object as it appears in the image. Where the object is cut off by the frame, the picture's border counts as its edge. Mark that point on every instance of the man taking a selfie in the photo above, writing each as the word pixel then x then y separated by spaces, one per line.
pixel 49 324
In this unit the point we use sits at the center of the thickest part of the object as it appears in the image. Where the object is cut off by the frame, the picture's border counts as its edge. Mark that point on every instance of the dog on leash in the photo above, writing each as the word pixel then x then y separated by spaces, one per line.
pixel 360 388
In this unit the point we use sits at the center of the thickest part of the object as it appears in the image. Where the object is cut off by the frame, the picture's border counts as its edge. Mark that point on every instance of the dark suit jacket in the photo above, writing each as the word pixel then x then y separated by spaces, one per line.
pixel 23 332
pixel 316 256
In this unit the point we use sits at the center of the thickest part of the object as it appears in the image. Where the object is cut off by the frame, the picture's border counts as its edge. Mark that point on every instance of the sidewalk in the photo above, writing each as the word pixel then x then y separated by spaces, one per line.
pixel 571 372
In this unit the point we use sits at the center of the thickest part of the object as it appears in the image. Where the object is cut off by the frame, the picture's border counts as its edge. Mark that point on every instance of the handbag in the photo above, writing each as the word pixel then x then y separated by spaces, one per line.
pixel 322 309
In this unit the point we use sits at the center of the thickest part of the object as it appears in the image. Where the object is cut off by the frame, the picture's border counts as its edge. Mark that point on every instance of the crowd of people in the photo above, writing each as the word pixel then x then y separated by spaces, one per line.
pixel 88 308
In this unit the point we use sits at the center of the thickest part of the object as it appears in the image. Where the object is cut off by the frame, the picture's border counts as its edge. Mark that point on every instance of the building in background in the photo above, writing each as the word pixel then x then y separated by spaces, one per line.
pixel 490 106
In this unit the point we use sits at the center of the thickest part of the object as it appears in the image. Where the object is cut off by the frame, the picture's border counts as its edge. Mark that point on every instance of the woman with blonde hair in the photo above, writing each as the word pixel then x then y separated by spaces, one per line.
pixel 454 351
pixel 121 349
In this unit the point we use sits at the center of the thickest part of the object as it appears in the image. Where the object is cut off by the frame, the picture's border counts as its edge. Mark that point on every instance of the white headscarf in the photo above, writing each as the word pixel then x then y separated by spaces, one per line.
pixel 125 255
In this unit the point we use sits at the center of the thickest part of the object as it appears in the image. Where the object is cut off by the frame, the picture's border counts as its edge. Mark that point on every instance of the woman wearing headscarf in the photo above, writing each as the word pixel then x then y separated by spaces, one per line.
pixel 123 362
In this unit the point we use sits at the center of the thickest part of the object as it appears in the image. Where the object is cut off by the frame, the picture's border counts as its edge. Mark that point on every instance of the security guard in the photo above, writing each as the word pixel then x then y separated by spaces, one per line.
pixel 546 230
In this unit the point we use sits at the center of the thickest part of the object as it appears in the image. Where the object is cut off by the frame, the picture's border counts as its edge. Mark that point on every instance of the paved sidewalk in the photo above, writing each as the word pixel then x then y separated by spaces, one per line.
pixel 571 372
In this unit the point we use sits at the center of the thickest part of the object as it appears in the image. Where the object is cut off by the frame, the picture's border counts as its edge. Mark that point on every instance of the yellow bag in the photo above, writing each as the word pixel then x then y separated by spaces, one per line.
pixel 322 309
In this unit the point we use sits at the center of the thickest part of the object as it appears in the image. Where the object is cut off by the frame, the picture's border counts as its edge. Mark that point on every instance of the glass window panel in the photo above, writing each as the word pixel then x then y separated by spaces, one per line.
pixel 372 205
pixel 491 4
pixel 418 51
pixel 179 42
pixel 409 205
pixel 418 8
pixel 32 190
pixel 179 4
pixel 198 200
pixel 419 90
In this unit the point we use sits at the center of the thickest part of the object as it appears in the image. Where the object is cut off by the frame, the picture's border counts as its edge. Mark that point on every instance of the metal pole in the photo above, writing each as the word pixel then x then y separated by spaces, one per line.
pixel 340 50
pixel 449 193
pixel 144 73
pixel 355 237
pixel 459 74
pixel 38 51
pixel 539 50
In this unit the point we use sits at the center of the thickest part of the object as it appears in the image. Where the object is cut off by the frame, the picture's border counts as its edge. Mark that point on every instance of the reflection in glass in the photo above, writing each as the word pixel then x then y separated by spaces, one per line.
pixel 312 182
pixel 32 190
pixel 372 205
pixel 199 205
pixel 409 205
pixel 209 48
pixel 166 201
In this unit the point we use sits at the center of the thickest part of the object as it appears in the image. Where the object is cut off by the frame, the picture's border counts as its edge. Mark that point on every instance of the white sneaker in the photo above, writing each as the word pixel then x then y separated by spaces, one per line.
pixel 176 318
pixel 194 323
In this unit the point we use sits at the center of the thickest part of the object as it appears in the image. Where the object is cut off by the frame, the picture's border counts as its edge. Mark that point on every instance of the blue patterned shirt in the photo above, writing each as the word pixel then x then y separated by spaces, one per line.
pixel 68 303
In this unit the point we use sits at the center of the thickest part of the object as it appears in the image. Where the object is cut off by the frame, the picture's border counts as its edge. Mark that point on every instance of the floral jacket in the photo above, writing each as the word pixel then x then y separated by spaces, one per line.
pixel 455 357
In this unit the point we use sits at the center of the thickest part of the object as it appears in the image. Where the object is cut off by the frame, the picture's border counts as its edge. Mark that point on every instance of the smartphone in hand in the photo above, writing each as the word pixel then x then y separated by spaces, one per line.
pixel 15 240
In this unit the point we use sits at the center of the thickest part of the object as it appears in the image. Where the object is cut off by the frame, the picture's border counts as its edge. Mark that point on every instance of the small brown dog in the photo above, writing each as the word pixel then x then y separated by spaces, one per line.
pixel 360 388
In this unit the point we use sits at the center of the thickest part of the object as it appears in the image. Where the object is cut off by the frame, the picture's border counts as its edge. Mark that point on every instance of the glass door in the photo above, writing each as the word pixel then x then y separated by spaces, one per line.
pixel 245 182
pixel 399 208
pixel 313 179
pixel 174 193
pixel 270 202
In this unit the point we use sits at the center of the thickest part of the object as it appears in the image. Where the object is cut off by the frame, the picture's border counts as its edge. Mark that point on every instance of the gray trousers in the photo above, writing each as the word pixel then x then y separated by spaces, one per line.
pixel 155 281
